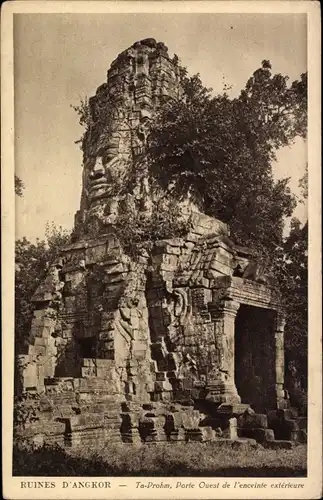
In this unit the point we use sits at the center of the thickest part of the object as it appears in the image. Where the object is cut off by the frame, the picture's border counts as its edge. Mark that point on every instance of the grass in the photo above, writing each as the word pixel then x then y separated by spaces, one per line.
pixel 191 459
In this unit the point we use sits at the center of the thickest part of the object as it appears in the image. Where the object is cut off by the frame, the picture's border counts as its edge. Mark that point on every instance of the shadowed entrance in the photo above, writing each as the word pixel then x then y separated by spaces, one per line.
pixel 255 357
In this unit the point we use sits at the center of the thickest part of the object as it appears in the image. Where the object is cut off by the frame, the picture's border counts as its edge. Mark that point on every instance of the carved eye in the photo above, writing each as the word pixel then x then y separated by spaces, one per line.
pixel 108 158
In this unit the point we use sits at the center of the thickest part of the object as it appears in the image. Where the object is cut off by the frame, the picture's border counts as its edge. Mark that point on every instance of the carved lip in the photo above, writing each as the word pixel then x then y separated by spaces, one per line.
pixel 97 180
pixel 98 190
pixel 98 185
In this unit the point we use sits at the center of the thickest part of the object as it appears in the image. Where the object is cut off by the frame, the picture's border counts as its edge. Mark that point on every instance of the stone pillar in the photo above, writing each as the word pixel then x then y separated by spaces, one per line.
pixel 221 383
pixel 279 359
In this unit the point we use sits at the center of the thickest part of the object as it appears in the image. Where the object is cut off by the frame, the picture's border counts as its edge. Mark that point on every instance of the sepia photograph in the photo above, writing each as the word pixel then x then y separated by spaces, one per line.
pixel 161 189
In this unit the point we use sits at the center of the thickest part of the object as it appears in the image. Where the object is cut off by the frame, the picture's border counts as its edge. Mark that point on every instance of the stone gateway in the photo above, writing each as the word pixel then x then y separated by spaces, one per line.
pixel 183 342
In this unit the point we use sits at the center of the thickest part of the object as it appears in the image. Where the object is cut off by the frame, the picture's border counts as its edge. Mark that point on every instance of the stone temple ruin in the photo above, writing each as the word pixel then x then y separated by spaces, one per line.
pixel 185 342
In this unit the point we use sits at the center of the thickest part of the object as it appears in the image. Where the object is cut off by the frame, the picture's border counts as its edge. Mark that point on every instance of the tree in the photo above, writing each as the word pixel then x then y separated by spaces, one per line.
pixel 294 288
pixel 32 261
pixel 221 151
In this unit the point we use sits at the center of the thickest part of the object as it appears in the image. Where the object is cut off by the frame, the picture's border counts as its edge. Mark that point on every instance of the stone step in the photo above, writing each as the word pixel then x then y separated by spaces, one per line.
pixel 107 407
pixel 63 399
pixel 289 413
pixel 259 434
pixel 281 415
pixel 251 421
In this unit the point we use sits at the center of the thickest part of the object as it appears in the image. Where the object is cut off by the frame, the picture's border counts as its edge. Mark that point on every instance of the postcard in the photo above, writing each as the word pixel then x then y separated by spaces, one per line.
pixel 161 253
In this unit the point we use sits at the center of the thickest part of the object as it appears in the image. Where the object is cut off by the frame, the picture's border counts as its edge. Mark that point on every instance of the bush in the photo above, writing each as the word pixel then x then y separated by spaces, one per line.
pixel 136 229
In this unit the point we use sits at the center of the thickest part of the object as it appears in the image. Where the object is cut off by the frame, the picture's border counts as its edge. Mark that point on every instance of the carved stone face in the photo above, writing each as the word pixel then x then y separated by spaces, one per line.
pixel 120 111
pixel 104 177
pixel 97 181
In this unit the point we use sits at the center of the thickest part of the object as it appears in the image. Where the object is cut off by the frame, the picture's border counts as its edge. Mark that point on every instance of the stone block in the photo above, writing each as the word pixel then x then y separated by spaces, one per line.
pixel 260 435
pixel 114 269
pixel 89 421
pixel 288 413
pixel 162 386
pixel 282 403
pixel 252 421
pixel 43 316
pixel 208 434
pixel 42 321
pixel 234 409
pixel 30 376
pixel 299 436
pixel 55 428
pixel 193 435
pixel 291 425
pixel 232 428
pixel 190 419
pixel 40 350
pixel 172 250
pixel 40 341
pixel 116 278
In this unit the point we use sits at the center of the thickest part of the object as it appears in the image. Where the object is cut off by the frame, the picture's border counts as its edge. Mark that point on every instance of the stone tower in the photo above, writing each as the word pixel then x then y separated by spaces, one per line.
pixel 120 114
pixel 133 349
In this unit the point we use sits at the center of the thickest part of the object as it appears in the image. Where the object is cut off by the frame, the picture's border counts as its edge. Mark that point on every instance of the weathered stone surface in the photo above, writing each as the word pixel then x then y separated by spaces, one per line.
pixel 115 334
pixel 252 421
pixel 260 435
pixel 233 409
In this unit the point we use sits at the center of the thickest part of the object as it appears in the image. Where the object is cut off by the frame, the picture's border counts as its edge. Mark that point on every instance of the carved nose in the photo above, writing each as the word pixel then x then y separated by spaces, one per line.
pixel 98 167
pixel 98 171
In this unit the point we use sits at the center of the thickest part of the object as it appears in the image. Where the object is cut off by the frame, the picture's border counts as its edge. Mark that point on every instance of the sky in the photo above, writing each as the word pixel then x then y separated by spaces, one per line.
pixel 61 58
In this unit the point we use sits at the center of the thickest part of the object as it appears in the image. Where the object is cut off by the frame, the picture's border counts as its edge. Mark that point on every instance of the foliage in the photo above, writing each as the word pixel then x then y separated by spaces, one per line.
pixel 170 459
pixel 136 229
pixel 23 412
pixel 19 186
pixel 84 113
pixel 303 185
pixel 32 261
pixel 221 149
pixel 293 283
pixel 85 120
pixel 97 117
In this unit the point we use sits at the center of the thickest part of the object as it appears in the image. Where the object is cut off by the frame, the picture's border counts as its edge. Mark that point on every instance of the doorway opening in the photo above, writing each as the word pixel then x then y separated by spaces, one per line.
pixel 87 347
pixel 255 364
